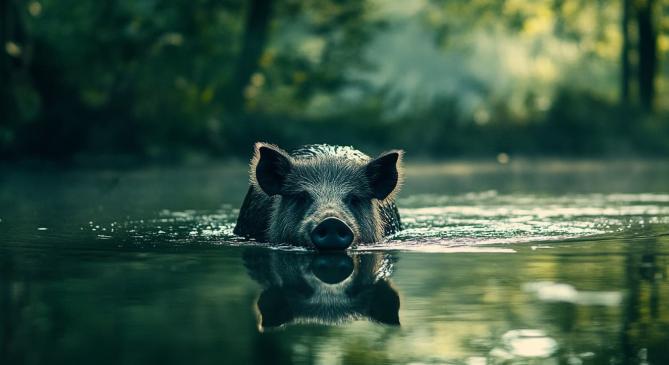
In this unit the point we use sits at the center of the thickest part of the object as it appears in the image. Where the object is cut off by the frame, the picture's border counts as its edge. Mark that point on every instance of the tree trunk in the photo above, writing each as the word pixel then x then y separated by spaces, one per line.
pixel 11 30
pixel 647 54
pixel 253 43
pixel 624 55
pixel 4 61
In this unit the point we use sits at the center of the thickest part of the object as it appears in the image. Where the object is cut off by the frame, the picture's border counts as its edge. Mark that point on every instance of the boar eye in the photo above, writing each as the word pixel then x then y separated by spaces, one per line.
pixel 353 200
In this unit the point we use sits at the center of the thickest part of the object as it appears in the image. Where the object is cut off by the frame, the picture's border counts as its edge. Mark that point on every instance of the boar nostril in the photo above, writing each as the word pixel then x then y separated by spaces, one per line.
pixel 332 234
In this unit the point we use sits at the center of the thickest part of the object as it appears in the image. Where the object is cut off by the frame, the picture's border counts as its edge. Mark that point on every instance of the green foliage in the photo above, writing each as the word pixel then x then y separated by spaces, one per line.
pixel 162 79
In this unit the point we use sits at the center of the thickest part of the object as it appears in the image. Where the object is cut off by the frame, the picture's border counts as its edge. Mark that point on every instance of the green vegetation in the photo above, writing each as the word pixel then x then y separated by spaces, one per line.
pixel 166 79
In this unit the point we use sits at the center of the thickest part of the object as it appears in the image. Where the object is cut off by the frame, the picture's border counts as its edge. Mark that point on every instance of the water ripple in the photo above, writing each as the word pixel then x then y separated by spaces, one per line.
pixel 436 222
pixel 490 218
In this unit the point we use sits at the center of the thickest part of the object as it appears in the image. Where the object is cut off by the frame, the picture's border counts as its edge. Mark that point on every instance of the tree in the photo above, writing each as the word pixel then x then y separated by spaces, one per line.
pixel 647 47
pixel 625 57
pixel 254 39
pixel 641 13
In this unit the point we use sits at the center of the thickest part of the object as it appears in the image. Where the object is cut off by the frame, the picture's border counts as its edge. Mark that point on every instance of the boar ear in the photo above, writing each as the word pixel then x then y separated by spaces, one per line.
pixel 384 305
pixel 384 174
pixel 274 308
pixel 269 168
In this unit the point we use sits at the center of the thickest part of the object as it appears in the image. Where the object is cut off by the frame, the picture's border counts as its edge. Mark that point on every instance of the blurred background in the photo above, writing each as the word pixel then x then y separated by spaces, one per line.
pixel 168 80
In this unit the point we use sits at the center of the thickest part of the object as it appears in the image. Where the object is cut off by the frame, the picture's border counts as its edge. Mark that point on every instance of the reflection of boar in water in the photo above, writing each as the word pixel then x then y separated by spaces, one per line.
pixel 322 288
pixel 327 197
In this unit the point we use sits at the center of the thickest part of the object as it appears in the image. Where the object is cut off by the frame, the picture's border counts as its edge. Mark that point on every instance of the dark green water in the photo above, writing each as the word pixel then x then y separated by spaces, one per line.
pixel 540 263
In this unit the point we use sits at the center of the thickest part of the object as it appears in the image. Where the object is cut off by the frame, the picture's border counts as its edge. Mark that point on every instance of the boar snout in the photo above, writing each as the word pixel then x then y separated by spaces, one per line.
pixel 332 234
pixel 332 267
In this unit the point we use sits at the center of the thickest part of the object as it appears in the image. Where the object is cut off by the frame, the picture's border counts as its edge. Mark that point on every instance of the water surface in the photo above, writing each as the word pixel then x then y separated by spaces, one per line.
pixel 532 262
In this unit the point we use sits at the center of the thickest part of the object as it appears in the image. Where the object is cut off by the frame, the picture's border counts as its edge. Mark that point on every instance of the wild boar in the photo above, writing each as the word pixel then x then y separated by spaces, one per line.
pixel 321 196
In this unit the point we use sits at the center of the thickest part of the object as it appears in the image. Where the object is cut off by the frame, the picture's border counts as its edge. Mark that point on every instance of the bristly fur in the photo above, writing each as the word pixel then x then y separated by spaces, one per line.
pixel 300 189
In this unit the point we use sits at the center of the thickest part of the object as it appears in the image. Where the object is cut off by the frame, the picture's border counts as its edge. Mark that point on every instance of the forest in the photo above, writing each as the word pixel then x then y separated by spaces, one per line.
pixel 168 80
